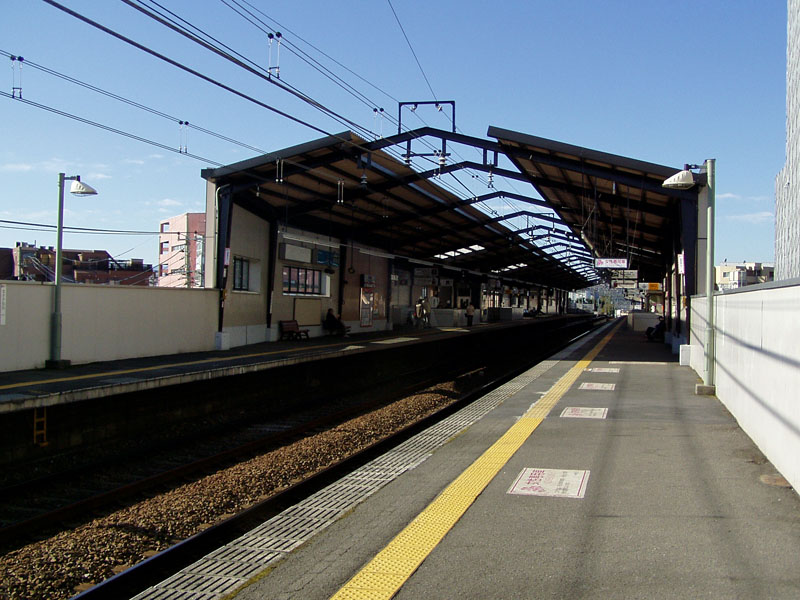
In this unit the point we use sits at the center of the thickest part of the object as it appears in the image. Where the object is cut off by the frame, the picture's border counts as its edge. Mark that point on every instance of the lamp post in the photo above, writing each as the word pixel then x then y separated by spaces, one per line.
pixel 79 189
pixel 684 180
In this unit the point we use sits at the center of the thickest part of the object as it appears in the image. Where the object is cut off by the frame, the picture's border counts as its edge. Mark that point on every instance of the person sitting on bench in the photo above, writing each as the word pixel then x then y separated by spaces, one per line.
pixel 656 333
pixel 334 324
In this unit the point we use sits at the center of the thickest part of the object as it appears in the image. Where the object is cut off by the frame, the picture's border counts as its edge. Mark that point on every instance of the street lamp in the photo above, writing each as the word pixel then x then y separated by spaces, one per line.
pixel 684 180
pixel 79 189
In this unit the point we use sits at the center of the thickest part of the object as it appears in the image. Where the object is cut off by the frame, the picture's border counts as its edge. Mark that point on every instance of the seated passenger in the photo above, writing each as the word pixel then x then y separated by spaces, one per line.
pixel 333 324
pixel 656 333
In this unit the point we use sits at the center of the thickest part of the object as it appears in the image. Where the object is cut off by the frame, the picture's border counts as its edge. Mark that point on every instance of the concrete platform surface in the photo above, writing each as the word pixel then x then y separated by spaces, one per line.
pixel 676 501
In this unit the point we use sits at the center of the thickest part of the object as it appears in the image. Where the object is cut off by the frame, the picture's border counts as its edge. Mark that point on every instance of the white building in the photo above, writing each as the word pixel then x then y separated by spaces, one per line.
pixel 730 276
pixel 787 184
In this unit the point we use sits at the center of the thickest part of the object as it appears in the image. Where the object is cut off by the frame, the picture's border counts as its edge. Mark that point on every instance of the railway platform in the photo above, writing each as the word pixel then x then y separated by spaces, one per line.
pixel 37 388
pixel 595 474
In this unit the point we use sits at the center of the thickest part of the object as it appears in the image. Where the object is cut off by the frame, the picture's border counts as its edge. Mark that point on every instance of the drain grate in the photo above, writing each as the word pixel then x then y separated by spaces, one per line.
pixel 200 583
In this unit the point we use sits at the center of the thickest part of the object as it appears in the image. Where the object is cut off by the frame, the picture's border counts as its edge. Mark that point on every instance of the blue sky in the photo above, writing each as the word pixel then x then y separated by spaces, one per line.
pixel 668 83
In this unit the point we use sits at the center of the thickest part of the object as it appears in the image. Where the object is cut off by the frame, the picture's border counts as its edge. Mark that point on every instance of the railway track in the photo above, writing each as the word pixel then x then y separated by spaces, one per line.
pixel 30 509
pixel 298 465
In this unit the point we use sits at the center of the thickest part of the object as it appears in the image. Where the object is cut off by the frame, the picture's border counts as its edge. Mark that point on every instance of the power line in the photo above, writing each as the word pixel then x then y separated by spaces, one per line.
pixel 227 88
pixel 412 49
pixel 320 51
pixel 135 104
pixel 192 71
pixel 183 67
pixel 255 70
pixel 87 230
pixel 108 128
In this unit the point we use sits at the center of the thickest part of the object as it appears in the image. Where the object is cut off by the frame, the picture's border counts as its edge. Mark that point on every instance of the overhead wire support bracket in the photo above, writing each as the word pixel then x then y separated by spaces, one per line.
pixel 277 68
pixel 16 65
pixel 415 105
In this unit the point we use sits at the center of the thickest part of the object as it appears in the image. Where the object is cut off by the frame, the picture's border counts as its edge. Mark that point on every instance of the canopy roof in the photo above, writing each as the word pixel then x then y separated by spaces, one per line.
pixel 367 191
pixel 351 189
pixel 617 205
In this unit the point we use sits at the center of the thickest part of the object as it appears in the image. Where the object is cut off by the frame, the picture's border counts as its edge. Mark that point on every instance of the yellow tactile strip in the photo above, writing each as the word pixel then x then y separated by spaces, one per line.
pixel 385 574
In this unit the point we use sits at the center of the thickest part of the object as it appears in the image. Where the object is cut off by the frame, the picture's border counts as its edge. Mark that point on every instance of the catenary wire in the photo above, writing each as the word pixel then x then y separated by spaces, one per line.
pixel 412 49
pixel 94 88
pixel 108 128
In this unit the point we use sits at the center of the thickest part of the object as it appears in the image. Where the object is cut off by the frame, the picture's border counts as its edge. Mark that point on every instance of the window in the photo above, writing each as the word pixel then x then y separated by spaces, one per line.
pixel 164 269
pixel 164 247
pixel 164 227
pixel 299 280
pixel 241 273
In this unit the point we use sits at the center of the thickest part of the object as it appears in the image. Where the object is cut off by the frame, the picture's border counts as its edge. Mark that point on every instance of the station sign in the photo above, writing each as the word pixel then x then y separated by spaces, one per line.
pixel 611 263
pixel 623 285
pixel 651 287
pixel 625 274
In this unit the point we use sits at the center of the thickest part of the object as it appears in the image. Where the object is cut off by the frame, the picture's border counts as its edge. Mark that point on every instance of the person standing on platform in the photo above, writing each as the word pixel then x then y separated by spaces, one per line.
pixel 426 313
pixel 470 313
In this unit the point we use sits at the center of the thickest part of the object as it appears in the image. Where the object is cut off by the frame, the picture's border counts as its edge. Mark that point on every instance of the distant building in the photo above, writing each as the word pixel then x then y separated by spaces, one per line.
pixel 37 263
pixel 729 276
pixel 787 184
pixel 181 250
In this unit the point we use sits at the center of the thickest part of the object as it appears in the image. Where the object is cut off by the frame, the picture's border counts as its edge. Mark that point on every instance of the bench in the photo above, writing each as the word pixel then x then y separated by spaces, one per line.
pixel 291 330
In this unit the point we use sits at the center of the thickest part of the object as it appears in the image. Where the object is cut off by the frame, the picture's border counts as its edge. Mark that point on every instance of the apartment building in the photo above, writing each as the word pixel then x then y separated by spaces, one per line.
pixel 181 245
pixel 729 276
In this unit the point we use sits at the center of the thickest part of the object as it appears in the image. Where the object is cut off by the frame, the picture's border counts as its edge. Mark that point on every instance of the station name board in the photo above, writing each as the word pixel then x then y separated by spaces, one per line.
pixel 611 263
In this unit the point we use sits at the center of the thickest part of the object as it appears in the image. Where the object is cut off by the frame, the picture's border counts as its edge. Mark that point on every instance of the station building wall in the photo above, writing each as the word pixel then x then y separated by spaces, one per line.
pixel 245 316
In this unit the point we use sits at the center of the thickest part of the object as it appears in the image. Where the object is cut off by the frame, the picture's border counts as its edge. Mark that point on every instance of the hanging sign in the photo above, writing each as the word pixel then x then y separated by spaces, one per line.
pixel 651 287
pixel 611 263
pixel 623 285
pixel 625 274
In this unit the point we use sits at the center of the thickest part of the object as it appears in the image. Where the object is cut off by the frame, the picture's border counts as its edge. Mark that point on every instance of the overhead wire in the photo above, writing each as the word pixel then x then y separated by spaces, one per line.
pixel 227 88
pixel 135 104
pixel 86 121
pixel 283 27
pixel 242 61
pixel 87 230
pixel 411 47
pixel 179 29
pixel 185 68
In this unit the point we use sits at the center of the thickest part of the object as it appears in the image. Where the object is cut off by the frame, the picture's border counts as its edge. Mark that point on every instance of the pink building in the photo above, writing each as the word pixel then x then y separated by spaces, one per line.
pixel 181 247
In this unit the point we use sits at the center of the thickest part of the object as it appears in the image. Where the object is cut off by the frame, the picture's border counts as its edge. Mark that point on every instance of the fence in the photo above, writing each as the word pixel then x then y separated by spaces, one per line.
pixel 103 322
pixel 757 365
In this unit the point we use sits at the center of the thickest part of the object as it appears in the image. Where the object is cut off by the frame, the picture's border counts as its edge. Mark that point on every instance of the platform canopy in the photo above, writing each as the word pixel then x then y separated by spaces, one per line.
pixel 368 193
pixel 401 195
pixel 617 205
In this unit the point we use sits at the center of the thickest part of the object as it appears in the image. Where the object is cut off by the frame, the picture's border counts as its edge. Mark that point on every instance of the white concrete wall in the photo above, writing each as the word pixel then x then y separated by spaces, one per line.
pixel 104 322
pixel 757 365
pixel 25 334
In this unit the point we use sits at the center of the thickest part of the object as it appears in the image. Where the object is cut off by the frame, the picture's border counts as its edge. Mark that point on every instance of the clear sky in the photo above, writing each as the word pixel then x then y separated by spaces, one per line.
pixel 666 82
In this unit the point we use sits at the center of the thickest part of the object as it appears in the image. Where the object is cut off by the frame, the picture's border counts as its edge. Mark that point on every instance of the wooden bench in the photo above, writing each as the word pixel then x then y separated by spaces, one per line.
pixel 291 330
